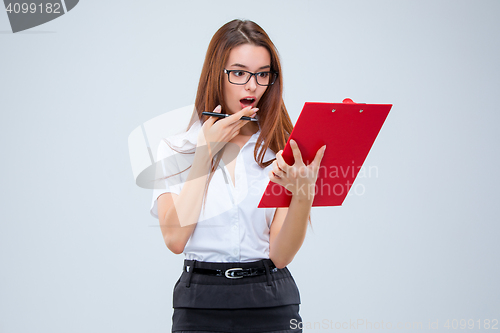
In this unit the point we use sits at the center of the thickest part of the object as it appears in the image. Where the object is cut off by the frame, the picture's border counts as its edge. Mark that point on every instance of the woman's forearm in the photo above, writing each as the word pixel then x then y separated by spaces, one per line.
pixel 293 232
pixel 180 220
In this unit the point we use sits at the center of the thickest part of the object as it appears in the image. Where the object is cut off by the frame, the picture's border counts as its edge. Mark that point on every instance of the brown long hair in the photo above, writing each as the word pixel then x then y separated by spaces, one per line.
pixel 274 120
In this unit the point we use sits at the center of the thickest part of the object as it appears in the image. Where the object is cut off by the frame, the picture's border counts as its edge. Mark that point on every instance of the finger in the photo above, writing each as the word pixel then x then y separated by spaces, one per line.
pixel 277 171
pixel 239 124
pixel 212 120
pixel 234 133
pixel 319 156
pixel 296 153
pixel 235 117
pixel 246 112
pixel 250 112
pixel 274 179
pixel 280 162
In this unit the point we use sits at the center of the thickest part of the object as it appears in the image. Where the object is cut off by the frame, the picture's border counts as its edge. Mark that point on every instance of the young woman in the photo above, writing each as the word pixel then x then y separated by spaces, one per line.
pixel 235 277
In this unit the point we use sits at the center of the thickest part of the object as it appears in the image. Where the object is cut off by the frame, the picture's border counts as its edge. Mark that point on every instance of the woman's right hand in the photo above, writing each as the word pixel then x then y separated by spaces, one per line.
pixel 215 134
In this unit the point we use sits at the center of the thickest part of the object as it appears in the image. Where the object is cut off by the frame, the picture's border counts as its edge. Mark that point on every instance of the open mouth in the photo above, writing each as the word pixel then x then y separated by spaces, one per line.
pixel 247 102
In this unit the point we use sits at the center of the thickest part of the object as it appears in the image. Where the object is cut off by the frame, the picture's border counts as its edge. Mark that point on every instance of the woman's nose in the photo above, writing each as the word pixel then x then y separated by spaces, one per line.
pixel 252 83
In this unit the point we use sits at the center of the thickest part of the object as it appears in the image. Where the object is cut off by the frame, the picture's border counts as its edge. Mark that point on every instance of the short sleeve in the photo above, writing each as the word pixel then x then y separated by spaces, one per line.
pixel 170 174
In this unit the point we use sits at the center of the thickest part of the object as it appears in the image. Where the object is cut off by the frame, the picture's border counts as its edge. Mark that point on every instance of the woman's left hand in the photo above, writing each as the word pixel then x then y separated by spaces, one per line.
pixel 299 179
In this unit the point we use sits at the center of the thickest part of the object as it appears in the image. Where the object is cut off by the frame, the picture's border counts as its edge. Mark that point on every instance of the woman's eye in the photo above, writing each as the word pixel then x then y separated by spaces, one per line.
pixel 239 73
pixel 263 74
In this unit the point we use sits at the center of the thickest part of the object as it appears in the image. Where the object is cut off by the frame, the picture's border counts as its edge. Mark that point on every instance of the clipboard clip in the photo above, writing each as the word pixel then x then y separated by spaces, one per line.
pixel 347 101
pixel 350 101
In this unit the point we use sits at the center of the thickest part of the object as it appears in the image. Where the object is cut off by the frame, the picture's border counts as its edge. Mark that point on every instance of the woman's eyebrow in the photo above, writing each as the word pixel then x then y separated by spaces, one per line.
pixel 243 66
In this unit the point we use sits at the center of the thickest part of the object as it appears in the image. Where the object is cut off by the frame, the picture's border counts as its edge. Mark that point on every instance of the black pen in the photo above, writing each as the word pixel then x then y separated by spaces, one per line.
pixel 224 115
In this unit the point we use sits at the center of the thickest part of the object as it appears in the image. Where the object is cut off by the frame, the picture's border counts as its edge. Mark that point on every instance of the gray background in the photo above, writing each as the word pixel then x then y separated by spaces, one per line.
pixel 79 251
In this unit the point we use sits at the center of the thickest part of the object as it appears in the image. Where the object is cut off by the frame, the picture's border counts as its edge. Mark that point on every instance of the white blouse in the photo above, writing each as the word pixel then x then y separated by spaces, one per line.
pixel 231 228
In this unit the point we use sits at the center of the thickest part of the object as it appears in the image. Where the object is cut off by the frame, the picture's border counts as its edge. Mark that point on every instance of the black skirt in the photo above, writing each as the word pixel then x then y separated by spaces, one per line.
pixel 263 303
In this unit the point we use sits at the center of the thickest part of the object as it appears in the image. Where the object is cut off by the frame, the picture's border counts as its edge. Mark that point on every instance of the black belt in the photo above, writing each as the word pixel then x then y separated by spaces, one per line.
pixel 232 273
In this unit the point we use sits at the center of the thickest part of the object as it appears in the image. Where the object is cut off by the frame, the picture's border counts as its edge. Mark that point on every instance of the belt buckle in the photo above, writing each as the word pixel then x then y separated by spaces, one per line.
pixel 230 270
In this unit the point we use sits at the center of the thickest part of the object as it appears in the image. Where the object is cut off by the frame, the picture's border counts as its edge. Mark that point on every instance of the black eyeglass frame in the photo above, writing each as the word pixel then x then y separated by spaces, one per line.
pixel 274 75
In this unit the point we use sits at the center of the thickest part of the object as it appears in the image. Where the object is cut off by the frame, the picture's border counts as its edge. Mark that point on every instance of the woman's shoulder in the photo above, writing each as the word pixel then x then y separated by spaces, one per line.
pixel 184 140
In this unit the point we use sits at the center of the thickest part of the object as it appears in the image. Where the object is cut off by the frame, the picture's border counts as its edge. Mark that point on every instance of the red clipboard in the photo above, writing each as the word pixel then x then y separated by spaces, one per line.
pixel 349 130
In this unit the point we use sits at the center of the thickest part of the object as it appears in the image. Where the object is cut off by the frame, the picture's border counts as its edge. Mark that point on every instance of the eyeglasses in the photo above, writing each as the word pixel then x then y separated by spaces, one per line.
pixel 241 77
